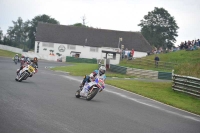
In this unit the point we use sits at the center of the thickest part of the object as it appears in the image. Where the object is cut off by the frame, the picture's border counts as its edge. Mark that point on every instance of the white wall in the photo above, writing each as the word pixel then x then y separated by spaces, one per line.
pixel 9 48
pixel 139 54
pixel 85 52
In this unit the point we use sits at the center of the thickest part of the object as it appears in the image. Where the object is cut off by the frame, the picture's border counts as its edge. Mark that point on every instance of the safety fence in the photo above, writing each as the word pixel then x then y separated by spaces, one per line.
pixel 186 84
pixel 141 72
pixel 147 62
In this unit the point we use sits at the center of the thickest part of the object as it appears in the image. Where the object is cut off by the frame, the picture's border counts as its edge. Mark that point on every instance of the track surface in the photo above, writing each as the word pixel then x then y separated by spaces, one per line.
pixel 46 103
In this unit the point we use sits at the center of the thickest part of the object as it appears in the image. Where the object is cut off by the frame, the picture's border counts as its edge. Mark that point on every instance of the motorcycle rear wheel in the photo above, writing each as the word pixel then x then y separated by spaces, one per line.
pixel 77 94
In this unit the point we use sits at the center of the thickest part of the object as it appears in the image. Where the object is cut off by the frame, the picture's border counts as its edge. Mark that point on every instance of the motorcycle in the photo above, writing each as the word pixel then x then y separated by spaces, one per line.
pixel 26 72
pixel 94 87
pixel 15 59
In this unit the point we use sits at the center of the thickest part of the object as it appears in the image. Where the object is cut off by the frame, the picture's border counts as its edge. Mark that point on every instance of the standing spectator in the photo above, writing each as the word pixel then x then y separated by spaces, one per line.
pixel 126 53
pixel 123 54
pixel 156 61
pixel 132 52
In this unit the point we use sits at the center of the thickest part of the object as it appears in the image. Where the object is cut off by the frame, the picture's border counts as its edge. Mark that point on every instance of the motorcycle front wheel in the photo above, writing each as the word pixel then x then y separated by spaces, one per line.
pixel 92 94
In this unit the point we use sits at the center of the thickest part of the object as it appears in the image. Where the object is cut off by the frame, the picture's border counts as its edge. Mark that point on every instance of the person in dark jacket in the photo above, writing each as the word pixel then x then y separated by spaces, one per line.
pixel 156 61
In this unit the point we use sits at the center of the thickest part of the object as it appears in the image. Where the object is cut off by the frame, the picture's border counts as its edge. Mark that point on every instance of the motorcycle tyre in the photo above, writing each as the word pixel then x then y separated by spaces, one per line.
pixel 22 77
pixel 77 94
pixel 92 94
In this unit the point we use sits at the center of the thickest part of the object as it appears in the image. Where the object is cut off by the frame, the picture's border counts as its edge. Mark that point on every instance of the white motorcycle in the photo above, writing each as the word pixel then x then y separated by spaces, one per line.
pixel 94 87
pixel 26 72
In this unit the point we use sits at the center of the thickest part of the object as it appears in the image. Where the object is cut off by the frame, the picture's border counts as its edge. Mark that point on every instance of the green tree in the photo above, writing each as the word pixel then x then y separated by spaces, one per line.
pixel 1 36
pixel 16 33
pixel 159 28
pixel 31 26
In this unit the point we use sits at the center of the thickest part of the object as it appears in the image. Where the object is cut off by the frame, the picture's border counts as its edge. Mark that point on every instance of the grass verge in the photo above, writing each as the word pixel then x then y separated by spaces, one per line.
pixel 160 91
pixel 81 69
pixel 6 53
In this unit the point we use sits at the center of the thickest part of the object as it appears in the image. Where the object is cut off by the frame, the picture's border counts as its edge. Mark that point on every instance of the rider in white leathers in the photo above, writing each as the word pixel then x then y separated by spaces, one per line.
pixel 89 79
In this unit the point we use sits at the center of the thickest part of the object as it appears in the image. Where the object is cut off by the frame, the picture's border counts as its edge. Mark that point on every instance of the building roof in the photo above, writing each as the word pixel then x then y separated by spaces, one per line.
pixel 91 37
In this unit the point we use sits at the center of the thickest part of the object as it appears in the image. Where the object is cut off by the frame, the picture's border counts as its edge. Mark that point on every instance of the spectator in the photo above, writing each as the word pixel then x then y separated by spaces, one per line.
pixel 132 52
pixel 156 61
pixel 126 53
pixel 123 54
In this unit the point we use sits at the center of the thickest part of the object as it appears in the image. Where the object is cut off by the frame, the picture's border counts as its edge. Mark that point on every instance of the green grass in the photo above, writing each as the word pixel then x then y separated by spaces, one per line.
pixel 81 69
pixel 188 62
pixel 6 53
pixel 160 91
pixel 130 64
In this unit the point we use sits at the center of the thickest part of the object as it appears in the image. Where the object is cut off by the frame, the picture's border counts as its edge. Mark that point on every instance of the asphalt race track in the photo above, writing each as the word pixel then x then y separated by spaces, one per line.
pixel 46 103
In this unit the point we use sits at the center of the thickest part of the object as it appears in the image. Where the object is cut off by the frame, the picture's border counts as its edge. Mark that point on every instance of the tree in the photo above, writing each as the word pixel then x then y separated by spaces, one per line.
pixel 16 34
pixel 159 28
pixel 1 36
pixel 31 26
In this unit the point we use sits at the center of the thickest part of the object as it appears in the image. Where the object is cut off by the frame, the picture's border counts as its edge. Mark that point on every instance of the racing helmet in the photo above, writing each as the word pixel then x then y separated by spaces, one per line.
pixel 28 61
pixel 102 70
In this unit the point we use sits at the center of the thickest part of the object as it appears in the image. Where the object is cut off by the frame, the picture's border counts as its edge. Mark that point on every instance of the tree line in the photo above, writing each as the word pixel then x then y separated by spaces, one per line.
pixel 22 34
pixel 158 27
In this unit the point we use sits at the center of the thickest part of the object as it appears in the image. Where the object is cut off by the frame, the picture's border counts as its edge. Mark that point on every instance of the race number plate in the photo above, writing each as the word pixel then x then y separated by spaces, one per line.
pixel 30 69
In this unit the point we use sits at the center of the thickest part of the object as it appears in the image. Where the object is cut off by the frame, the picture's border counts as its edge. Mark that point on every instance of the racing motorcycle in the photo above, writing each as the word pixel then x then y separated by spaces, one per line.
pixel 15 59
pixel 26 72
pixel 94 87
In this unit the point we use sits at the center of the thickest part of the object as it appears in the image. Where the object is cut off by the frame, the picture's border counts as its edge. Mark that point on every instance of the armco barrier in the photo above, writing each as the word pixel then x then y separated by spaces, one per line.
pixel 80 60
pixel 186 84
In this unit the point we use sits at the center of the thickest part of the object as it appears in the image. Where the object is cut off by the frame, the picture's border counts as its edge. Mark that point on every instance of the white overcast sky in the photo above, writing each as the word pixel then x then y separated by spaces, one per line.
pixel 123 15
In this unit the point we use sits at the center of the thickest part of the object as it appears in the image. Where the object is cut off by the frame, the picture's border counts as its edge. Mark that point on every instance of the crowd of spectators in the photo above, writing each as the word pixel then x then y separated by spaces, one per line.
pixel 190 45
pixel 127 54
pixel 187 45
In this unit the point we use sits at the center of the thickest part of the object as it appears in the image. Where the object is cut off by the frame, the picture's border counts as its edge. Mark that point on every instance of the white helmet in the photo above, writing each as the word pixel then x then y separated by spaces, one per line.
pixel 102 70
pixel 16 54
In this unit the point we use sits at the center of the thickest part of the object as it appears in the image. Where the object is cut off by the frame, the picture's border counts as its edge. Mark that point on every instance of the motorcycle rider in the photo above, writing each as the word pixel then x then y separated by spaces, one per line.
pixel 16 58
pixel 22 60
pixel 34 61
pixel 87 79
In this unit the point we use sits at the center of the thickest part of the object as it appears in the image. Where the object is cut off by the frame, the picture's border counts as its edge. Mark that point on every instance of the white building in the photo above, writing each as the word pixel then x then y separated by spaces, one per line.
pixel 83 42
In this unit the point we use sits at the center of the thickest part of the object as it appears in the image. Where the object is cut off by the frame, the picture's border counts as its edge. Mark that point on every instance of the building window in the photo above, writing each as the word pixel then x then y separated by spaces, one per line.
pixel 92 49
pixel 47 44
pixel 71 47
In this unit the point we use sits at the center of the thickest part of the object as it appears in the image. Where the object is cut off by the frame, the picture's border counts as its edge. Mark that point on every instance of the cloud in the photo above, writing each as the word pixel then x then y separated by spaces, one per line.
pixel 122 15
